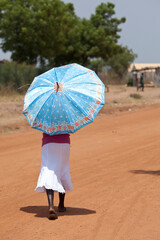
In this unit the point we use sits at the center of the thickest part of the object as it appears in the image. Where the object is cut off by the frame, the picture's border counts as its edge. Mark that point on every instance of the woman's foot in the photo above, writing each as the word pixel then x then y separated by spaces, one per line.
pixel 52 214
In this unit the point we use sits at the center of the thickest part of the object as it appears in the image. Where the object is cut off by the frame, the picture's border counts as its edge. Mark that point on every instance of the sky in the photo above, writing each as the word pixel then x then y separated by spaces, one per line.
pixel 140 32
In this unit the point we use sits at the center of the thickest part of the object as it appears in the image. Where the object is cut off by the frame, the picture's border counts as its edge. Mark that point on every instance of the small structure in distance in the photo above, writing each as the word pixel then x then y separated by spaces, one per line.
pixel 151 73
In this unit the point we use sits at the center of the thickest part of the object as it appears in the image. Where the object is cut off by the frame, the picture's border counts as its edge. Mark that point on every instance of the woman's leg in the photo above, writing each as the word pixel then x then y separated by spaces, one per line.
pixel 61 207
pixel 50 195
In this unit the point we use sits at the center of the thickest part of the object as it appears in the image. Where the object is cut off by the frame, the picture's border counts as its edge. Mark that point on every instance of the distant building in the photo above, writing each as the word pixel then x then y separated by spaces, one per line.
pixel 139 66
pixel 157 77
pixel 151 73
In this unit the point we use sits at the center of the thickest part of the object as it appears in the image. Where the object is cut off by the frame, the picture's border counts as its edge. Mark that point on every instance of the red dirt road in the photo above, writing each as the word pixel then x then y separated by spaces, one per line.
pixel 115 170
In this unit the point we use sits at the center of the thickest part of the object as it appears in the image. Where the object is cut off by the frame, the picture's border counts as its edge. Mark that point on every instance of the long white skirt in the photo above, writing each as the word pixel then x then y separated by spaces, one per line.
pixel 54 172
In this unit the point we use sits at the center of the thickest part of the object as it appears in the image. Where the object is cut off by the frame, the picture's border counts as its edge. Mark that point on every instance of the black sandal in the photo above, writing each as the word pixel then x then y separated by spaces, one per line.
pixel 52 214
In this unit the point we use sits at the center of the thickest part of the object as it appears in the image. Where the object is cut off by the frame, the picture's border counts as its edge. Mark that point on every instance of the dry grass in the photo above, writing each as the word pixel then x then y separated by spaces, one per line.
pixel 121 95
pixel 135 95
pixel 117 99
pixel 11 116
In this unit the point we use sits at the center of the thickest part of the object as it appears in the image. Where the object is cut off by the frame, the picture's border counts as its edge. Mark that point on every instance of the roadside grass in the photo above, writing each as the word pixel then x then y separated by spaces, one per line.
pixel 135 95
pixel 9 130
pixel 11 96
pixel 118 99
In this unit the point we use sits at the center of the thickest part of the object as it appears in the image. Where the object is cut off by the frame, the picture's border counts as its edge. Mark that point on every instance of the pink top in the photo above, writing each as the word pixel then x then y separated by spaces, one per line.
pixel 60 138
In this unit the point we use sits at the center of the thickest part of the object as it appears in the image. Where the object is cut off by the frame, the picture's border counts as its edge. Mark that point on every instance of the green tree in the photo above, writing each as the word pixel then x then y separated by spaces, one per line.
pixel 49 31
pixel 33 29
pixel 120 62
pixel 107 30
pixel 96 38
pixel 97 65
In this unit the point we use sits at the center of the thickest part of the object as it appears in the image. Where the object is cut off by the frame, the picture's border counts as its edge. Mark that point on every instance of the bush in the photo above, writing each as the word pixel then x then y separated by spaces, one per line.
pixel 135 95
pixel 130 82
pixel 16 75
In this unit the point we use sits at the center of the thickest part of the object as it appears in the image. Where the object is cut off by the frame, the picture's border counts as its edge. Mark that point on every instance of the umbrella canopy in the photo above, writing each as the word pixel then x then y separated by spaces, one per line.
pixel 63 99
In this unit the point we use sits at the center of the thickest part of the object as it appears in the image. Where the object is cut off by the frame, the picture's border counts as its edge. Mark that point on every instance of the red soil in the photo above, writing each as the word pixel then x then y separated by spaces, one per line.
pixel 115 172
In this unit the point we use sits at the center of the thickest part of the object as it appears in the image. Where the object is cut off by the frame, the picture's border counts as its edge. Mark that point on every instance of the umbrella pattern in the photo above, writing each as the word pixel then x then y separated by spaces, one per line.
pixel 63 99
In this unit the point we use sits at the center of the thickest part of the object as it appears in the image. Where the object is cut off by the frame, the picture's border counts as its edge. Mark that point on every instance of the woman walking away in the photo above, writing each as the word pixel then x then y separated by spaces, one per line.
pixel 54 175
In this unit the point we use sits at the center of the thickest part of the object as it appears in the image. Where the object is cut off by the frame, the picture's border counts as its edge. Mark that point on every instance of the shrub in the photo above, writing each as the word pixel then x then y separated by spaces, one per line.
pixel 16 75
pixel 135 95
pixel 130 82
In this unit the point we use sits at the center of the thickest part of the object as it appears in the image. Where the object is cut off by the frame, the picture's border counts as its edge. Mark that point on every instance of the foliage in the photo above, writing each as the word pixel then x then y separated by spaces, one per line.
pixel 33 29
pixel 49 32
pixel 120 62
pixel 135 95
pixel 16 75
pixel 106 29
pixel 130 82
pixel 96 65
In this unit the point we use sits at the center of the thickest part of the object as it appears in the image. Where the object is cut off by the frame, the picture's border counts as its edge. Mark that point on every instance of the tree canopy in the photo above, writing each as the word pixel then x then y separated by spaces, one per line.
pixel 120 62
pixel 33 29
pixel 49 32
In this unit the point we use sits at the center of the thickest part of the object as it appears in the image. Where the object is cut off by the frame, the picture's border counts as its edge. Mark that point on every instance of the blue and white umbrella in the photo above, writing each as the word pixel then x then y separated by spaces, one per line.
pixel 63 99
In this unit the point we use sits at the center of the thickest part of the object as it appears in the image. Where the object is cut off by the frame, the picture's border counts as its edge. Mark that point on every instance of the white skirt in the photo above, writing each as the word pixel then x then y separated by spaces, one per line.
pixel 54 172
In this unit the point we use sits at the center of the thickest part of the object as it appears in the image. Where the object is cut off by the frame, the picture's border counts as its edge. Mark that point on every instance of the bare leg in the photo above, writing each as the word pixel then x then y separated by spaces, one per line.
pixel 61 207
pixel 50 195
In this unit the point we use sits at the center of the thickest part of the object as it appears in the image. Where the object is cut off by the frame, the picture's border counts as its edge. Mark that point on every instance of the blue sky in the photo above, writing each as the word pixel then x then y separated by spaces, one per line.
pixel 141 32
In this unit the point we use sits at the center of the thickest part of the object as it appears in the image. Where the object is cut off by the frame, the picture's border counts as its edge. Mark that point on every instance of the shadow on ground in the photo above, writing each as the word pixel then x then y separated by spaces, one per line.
pixel 156 173
pixel 42 211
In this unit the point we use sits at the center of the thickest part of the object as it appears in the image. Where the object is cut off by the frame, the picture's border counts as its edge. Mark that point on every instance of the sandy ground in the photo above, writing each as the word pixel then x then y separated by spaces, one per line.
pixel 115 172
pixel 118 99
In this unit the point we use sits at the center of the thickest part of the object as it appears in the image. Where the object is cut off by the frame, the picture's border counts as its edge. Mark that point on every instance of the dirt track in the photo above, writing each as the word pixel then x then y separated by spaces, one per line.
pixel 115 172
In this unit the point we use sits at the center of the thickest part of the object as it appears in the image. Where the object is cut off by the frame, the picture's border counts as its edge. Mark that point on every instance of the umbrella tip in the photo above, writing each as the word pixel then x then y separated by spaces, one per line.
pixel 57 86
